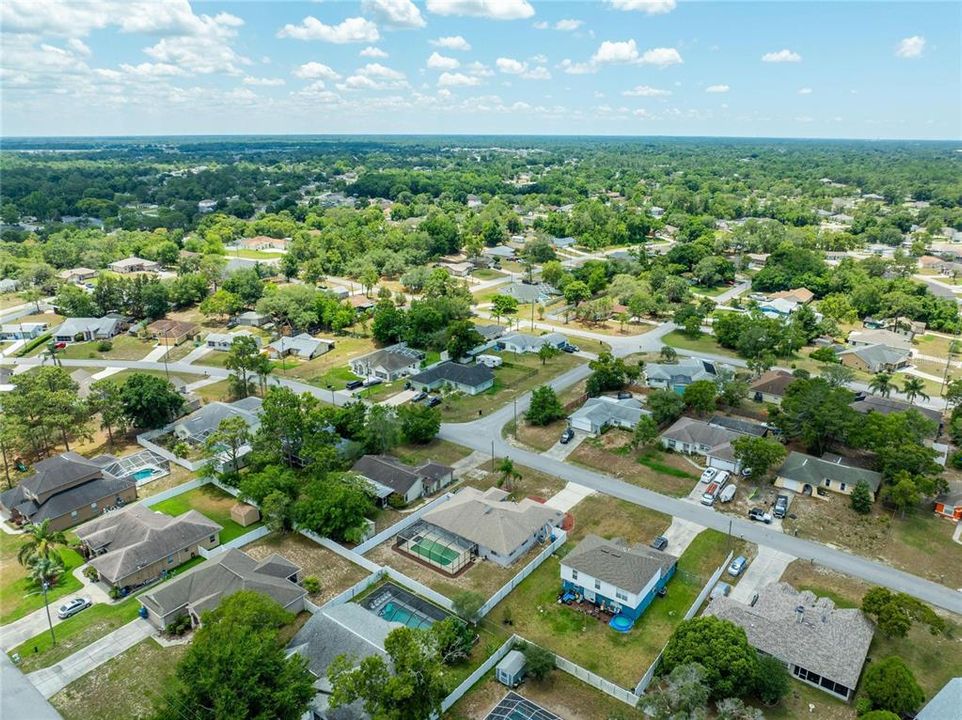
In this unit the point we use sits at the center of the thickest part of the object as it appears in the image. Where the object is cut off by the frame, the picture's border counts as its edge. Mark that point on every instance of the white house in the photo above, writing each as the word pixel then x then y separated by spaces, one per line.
pixel 523 343
pixel 388 363
pixel 224 341
pixel 695 437
pixel 22 331
pixel 604 412
pixel 302 346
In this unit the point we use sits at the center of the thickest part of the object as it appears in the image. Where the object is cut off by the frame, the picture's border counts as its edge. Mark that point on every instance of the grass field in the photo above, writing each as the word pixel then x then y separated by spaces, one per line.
pixel 124 688
pixel 124 347
pixel 18 595
pixel 704 344
pixel 211 501
pixel 441 451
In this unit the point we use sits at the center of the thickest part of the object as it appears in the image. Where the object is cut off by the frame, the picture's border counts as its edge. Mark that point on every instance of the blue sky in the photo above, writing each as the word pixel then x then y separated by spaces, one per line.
pixel 621 67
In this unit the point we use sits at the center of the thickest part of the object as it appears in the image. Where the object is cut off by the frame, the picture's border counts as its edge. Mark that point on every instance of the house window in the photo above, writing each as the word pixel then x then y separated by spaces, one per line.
pixel 597 584
pixel 828 483
pixel 73 513
pixel 623 596
pixel 170 559
pixel 93 506
pixel 842 487
pixel 574 574
pixel 211 539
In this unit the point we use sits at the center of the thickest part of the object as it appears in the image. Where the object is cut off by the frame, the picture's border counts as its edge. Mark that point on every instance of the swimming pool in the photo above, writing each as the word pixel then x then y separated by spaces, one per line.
pixel 396 604
pixel 621 623
pixel 146 474
pixel 399 614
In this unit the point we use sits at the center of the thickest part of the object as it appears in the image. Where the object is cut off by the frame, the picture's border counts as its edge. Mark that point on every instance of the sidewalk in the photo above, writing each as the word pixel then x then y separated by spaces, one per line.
pixel 156 354
pixel 52 680
pixel 196 354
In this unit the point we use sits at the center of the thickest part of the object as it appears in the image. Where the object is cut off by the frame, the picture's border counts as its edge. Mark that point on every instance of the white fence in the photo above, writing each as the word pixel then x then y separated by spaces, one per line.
pixel 237 542
pixel 596 681
pixel 474 677
pixel 355 590
pixel 387 534
pixel 420 588
pixel 560 538
pixel 173 492
pixel 650 675
pixel 145 439
pixel 340 550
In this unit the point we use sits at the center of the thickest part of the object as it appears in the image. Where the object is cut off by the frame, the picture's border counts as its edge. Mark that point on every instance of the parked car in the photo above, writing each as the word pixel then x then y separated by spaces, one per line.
pixel 567 436
pixel 624 395
pixel 72 607
pixel 372 381
pixel 434 401
pixel 728 494
pixel 569 348
pixel 738 566
pixel 354 384
pixel 711 492
pixel 781 506
pixel 722 477
pixel 759 514
pixel 660 542
pixel 709 474
pixel 418 397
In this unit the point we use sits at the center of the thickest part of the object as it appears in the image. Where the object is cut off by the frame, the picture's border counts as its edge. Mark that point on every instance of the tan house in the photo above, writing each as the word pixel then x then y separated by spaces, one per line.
pixel 172 332
pixel 875 358
pixel 802 296
pixel 135 546
pixel 77 275
pixel 66 489
pixel 134 264
pixel 770 386
pixel 262 242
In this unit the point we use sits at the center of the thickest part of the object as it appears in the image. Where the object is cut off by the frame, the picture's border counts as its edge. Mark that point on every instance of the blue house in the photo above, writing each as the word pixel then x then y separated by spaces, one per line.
pixel 618 578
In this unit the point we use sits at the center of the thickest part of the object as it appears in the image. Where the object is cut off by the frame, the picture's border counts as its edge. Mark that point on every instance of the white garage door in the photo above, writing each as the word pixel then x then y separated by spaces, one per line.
pixel 722 464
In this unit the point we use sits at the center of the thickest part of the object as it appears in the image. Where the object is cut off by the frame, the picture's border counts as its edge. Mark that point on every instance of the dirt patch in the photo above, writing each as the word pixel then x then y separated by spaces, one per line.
pixel 540 437
pixel 335 573
pixel 531 483
pixel 610 518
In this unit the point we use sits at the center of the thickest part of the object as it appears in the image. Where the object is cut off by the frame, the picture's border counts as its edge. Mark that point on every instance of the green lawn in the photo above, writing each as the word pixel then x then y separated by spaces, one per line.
pixel 621 658
pixel 123 347
pixel 211 501
pixel 18 595
pixel 487 274
pixel 75 633
pixel 442 451
pixel 124 688
pixel 703 344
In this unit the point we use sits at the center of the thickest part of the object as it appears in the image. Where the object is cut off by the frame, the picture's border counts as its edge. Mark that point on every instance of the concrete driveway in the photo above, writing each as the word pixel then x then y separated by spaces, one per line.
pixel 399 398
pixel 569 496
pixel 558 451
pixel 680 534
pixel 765 569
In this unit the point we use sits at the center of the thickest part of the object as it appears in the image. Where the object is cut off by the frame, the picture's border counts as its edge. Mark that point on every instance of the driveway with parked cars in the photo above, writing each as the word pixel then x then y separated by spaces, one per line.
pixel 766 568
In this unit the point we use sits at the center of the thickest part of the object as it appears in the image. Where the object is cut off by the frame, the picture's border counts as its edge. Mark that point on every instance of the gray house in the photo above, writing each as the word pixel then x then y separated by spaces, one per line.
pixel 204 587
pixel 820 644
pixel 809 475
pixel 86 329
pixel 389 476
pixel 469 379
pixel 519 342
pixel 388 363
pixel 303 346
pixel 604 412
pixel 695 437
pixel 677 376
pixel 199 425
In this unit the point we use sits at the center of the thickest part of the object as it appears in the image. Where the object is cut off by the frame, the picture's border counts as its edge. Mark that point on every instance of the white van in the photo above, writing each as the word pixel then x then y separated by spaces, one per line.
pixel 491 361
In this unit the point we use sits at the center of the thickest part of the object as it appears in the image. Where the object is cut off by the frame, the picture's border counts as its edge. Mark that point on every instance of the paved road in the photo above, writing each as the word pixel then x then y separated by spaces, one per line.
pixel 29 626
pixel 52 680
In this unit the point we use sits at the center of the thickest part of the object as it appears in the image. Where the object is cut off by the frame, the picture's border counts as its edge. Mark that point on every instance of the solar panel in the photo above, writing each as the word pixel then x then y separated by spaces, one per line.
pixel 515 707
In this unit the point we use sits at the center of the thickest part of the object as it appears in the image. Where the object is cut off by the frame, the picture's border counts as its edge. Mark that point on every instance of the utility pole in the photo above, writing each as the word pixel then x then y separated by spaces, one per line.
pixel 492 456
pixel 516 416
pixel 729 535
pixel 46 586
pixel 166 369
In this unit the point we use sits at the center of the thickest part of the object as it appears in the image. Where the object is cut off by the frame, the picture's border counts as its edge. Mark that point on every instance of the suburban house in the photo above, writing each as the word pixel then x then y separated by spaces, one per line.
pixel 9 285
pixel 22 331
pixel 677 376
pixel 389 476
pixel 469 379
pixel 900 326
pixel 172 332
pixel 527 294
pixel 202 588
pixel 77 275
pixel 224 341
pixel 203 422
pixel 563 242
pixel 770 387
pixel 603 412
pixel 866 403
pixel 346 629
pixel 780 308
pixel 866 338
pixel 519 342
pixel 302 346
pixel 945 704
pixel 875 358
pixel 66 489
pixel 498 529
pixel 457 269
pixel 801 296
pixel 499 252
pixel 949 504
pixel 821 645
pixel 262 242
pixel 621 579
pixel 135 546
pixel 388 363
pixel 811 475
pixel 739 425
pixel 696 437
pixel 78 329
pixel 252 319
pixel 134 264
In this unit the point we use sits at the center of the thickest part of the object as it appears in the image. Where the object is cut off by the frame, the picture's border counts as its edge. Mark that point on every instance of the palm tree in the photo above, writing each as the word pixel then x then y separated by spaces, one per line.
pixel 508 473
pixel 41 541
pixel 914 388
pixel 881 383
pixel 46 570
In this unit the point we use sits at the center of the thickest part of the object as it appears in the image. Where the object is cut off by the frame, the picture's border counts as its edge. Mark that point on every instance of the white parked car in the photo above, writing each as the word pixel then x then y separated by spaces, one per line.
pixel 722 477
pixel 709 474
pixel 72 607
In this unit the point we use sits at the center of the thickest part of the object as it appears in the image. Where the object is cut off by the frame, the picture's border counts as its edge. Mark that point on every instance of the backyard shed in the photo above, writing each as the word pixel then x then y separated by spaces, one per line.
pixel 244 514
pixel 510 670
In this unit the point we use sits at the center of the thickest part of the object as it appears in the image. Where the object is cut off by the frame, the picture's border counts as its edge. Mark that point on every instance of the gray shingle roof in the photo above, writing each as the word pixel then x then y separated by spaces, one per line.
pixel 96 326
pixel 685 371
pixel 612 561
pixel 491 520
pixel 387 471
pixel 865 403
pixel 698 432
pixel 230 572
pixel 876 356
pixel 57 472
pixel 447 371
pixel 829 641
pixel 79 497
pixel 137 536
pixel 814 471
pixel 604 410
pixel 202 422
pixel 947 703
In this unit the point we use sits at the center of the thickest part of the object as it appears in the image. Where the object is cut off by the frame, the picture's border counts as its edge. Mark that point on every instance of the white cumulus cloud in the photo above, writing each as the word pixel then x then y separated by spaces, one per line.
pixel 491 9
pixel 717 89
pixel 448 79
pixel 263 82
pixel 645 91
pixel 805 91
pixel 652 7
pixel 316 71
pixel 437 61
pixel 395 13
pixel 452 42
pixel 372 52
pixel 662 57
pixel 510 66
pixel 351 30
pixel 615 52
pixel 910 47
pixel 782 56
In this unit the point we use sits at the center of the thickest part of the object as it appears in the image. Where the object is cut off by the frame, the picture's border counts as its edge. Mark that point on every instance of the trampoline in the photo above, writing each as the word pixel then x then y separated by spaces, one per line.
pixel 515 707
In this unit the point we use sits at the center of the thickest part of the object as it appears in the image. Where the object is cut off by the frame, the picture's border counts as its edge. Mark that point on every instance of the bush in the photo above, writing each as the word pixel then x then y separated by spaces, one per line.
pixel 90 572
pixel 114 593
pixel 396 501
pixel 36 342
pixel 467 604
pixel 311 584
pixel 105 346
pixel 890 685
pixel 772 681
pixel 180 625
pixel 181 450
pixel 538 662
pixel 824 354
pixel 862 498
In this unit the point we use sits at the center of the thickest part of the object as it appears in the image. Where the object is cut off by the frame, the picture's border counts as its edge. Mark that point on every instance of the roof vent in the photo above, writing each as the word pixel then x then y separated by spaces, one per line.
pixel 800 613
